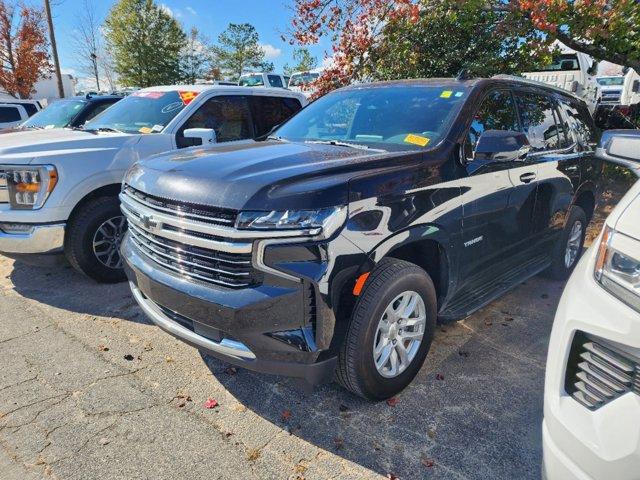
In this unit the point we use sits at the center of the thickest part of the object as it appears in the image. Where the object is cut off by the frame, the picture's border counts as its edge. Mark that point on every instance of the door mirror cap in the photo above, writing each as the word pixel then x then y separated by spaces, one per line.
pixel 502 146
pixel 207 135
pixel 620 146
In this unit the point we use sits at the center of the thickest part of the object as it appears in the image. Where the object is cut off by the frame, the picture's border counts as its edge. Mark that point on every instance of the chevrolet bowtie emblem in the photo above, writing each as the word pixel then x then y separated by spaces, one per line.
pixel 149 223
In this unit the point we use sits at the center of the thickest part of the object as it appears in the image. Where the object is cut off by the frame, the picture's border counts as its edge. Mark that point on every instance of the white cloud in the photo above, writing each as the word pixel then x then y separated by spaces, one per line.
pixel 191 10
pixel 270 52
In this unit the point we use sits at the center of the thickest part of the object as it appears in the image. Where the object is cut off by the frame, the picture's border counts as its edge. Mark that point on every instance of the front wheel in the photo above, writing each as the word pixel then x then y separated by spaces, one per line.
pixel 570 245
pixel 390 333
pixel 93 238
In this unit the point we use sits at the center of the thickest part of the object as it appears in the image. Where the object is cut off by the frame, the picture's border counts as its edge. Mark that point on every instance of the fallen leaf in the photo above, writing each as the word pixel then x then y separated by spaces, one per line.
pixel 211 403
pixel 300 468
pixel 488 323
pixel 391 476
pixel 253 454
pixel 431 433
pixel 231 371
pixel 104 441
pixel 103 348
pixel 339 442
pixel 169 359
pixel 147 346
pixel 239 408
pixel 439 376
pixel 393 401
pixel 286 415
pixel 376 446
pixel 509 319
pixel 428 462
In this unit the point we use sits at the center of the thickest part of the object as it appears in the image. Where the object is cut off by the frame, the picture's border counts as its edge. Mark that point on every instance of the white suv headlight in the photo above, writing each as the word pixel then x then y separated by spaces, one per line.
pixel 618 267
pixel 29 186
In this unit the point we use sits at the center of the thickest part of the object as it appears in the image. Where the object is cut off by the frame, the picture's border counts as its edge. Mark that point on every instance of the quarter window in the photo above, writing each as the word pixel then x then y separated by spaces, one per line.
pixel 538 121
pixel 580 121
pixel 275 81
pixel 228 116
pixel 9 114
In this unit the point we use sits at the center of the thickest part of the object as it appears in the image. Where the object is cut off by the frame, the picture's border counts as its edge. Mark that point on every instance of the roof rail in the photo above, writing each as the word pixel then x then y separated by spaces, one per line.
pixel 535 83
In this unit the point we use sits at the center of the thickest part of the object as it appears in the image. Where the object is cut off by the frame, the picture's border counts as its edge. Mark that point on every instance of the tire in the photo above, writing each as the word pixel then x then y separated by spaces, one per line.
pixel 356 369
pixel 561 267
pixel 83 229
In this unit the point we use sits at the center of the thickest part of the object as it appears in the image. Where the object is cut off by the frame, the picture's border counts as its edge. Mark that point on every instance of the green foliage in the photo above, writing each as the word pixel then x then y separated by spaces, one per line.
pixel 145 42
pixel 304 61
pixel 195 58
pixel 449 36
pixel 239 50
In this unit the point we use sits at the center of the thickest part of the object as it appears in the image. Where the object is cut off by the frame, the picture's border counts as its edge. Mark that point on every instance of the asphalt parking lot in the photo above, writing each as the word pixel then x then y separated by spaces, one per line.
pixel 90 390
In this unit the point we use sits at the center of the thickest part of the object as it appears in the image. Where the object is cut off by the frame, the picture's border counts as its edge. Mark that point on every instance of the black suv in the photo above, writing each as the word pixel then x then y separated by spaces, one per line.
pixel 334 246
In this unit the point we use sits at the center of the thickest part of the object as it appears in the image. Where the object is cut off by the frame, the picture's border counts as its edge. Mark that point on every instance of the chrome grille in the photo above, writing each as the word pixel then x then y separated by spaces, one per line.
pixel 598 374
pixel 199 250
pixel 612 96
pixel 4 192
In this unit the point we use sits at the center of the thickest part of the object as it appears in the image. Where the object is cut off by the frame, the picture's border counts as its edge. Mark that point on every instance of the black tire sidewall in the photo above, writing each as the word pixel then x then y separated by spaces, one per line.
pixel 559 270
pixel 371 382
pixel 79 239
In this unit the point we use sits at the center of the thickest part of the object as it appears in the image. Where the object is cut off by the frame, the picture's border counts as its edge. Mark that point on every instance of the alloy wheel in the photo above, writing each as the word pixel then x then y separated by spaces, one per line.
pixel 399 334
pixel 107 240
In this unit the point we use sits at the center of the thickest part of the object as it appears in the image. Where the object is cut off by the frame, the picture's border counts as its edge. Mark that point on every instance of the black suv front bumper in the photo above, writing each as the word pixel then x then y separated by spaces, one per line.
pixel 254 328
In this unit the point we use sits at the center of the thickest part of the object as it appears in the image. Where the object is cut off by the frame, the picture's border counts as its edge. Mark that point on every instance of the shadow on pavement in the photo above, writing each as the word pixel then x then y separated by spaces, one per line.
pixel 62 287
pixel 482 420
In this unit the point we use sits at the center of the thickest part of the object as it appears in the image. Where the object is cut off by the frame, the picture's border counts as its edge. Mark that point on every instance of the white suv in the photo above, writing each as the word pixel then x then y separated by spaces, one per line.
pixel 59 188
pixel 591 428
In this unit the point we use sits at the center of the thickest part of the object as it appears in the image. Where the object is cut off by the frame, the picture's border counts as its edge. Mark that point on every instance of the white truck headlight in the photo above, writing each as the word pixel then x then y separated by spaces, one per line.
pixel 29 186
pixel 323 221
pixel 618 266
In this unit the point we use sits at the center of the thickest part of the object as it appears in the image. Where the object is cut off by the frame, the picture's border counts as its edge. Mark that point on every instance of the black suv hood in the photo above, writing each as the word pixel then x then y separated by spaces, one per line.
pixel 256 175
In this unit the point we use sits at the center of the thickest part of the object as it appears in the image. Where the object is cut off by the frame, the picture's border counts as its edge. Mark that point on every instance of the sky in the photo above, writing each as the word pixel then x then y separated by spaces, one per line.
pixel 211 17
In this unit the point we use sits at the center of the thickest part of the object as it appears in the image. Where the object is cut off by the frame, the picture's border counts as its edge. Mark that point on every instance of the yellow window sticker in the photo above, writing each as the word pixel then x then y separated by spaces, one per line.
pixel 446 94
pixel 417 140
pixel 146 130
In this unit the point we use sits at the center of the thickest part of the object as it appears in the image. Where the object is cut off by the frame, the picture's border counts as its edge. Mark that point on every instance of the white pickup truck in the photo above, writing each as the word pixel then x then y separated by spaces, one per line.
pixel 59 188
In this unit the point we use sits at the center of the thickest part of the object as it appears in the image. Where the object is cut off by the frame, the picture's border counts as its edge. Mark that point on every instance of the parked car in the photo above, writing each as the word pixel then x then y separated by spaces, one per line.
pixel 31 106
pixel 263 79
pixel 59 188
pixel 592 387
pixel 12 115
pixel 68 113
pixel 303 82
pixel 572 71
pixel 335 245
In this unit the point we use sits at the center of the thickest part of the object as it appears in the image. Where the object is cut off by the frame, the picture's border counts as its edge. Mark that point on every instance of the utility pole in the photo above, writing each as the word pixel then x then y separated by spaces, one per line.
pixel 54 48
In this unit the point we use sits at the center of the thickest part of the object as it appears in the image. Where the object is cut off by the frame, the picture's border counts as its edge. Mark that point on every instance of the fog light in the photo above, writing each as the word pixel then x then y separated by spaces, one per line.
pixel 17 228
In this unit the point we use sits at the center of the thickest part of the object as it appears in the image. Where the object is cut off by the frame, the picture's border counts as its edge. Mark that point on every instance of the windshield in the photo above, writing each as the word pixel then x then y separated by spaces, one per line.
pixel 610 81
pixel 57 115
pixel 300 79
pixel 142 112
pixel 251 81
pixel 390 117
pixel 567 61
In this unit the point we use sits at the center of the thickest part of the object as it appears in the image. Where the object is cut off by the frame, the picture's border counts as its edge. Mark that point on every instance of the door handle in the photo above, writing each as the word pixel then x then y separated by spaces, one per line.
pixel 527 177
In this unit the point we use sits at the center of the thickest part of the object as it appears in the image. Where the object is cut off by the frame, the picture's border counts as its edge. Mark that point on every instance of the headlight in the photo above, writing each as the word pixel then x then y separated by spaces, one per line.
pixel 30 186
pixel 323 221
pixel 618 267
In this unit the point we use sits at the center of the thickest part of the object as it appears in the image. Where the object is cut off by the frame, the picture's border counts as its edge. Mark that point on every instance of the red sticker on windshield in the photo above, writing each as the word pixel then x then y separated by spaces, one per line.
pixel 153 95
pixel 187 97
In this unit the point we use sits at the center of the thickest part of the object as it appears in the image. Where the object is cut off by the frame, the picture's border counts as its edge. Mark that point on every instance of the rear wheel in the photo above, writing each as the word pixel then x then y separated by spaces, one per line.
pixel 390 332
pixel 93 238
pixel 570 246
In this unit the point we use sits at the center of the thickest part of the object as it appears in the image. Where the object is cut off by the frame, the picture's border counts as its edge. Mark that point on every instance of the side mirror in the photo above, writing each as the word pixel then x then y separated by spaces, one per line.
pixel 502 146
pixel 635 88
pixel 206 135
pixel 621 147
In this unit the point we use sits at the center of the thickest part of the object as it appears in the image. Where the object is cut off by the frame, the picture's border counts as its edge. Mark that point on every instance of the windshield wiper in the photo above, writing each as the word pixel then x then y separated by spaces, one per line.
pixel 100 129
pixel 338 143
pixel 277 139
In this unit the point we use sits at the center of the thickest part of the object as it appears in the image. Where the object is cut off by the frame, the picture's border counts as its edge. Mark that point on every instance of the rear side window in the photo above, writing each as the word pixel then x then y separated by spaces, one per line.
pixel 581 122
pixel 229 116
pixel 30 108
pixel 497 112
pixel 275 81
pixel 97 109
pixel 271 111
pixel 9 114
pixel 538 121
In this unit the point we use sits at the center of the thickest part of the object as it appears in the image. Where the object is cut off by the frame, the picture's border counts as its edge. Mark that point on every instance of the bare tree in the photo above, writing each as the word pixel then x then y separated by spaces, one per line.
pixel 88 41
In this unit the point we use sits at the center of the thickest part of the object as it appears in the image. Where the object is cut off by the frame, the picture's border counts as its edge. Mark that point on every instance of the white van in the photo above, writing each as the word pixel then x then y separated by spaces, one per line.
pixel 302 81
pixel 12 115
pixel 59 188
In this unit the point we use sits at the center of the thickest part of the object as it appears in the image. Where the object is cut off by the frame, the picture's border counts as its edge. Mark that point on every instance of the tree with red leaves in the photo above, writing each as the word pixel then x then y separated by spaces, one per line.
pixel 605 29
pixel 385 39
pixel 24 49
